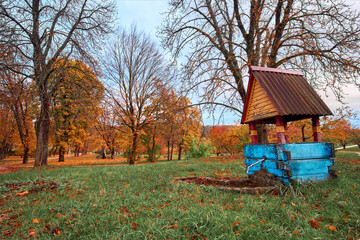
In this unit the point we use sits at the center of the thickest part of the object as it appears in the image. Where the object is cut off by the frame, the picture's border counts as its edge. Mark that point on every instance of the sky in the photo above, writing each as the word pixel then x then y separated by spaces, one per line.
pixel 148 15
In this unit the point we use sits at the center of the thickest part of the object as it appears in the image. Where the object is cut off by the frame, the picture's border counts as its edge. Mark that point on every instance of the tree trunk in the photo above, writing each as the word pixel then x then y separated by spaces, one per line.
pixel 51 153
pixel 112 152
pixel 102 153
pixel 180 150
pixel 4 150
pixel 133 150
pixel 23 129
pixel 77 151
pixel 26 155
pixel 343 143
pixel 54 152
pixel 168 146
pixel 172 148
pixel 40 77
pixel 85 148
pixel 42 129
pixel 61 154
pixel 152 157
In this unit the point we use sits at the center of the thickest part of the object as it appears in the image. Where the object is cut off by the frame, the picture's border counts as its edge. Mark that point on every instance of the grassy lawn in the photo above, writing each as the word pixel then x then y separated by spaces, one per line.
pixel 141 202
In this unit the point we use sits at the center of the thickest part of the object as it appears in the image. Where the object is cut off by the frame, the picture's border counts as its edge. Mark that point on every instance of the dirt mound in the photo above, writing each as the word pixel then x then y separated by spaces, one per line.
pixel 260 182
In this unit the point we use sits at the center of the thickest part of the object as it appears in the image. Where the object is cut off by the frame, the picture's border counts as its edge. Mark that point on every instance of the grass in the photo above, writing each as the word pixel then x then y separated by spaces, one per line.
pixel 141 202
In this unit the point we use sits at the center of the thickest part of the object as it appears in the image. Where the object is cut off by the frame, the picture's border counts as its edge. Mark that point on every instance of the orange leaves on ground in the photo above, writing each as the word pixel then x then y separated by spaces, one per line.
pixel 134 225
pixel 314 224
pixel 236 223
pixel 22 193
pixel 56 231
pixel 124 209
pixel 35 220
pixel 331 228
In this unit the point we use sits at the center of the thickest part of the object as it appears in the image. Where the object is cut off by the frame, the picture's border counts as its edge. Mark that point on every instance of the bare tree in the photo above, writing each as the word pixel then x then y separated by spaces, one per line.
pixel 40 32
pixel 108 127
pixel 135 70
pixel 222 38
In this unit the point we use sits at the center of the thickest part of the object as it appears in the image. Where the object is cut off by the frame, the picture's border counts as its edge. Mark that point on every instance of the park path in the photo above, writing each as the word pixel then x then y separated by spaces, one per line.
pixel 339 148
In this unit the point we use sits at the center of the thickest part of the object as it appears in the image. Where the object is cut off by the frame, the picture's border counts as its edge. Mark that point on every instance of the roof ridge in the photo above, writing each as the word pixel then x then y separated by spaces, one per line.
pixel 266 69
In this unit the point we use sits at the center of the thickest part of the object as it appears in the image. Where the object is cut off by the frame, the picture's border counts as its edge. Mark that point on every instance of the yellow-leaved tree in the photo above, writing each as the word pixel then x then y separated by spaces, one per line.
pixel 75 104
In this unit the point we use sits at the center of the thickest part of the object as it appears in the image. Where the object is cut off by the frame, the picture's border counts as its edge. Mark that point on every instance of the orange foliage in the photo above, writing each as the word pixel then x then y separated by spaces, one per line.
pixel 229 139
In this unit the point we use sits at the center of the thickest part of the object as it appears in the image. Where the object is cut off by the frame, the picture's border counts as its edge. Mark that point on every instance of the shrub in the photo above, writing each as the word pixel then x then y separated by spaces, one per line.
pixel 199 149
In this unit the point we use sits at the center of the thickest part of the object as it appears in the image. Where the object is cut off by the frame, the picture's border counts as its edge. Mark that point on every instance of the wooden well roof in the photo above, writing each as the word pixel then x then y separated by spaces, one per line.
pixel 274 92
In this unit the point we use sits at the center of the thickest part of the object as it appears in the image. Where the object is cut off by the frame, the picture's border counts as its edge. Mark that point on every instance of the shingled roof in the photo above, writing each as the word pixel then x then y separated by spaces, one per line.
pixel 288 94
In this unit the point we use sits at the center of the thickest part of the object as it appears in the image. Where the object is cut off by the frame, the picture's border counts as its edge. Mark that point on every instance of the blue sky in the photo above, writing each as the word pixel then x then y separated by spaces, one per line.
pixel 147 15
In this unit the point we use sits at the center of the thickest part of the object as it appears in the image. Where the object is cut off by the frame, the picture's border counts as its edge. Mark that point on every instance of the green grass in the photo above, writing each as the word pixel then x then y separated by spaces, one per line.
pixel 141 202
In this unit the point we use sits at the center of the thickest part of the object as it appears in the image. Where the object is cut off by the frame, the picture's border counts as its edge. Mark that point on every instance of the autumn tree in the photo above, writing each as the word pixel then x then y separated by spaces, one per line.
pixel 75 103
pixel 189 123
pixel 336 130
pixel 229 139
pixel 18 93
pixel 182 121
pixel 218 135
pixel 7 130
pixel 134 70
pixel 355 136
pixel 42 31
pixel 220 39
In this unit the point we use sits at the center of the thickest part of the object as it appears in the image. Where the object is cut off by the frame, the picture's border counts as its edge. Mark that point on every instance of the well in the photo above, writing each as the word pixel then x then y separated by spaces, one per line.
pixel 277 96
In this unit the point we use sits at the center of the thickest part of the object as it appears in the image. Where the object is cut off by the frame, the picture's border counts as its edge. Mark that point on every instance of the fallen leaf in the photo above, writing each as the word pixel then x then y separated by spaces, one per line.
pixel 292 217
pixel 331 228
pixel 56 231
pixel 235 224
pixel 35 220
pixel 134 225
pixel 314 224
pixel 123 209
pixel 22 193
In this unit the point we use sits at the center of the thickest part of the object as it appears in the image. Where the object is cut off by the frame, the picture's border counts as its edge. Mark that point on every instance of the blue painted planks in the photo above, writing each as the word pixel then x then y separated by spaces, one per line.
pixel 304 161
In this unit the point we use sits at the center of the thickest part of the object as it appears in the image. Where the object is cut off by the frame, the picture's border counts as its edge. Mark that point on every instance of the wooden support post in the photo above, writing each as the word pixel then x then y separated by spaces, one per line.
pixel 316 129
pixel 253 133
pixel 280 130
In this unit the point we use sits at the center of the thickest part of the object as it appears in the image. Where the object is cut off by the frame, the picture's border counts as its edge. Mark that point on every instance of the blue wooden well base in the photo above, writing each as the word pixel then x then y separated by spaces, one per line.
pixel 304 161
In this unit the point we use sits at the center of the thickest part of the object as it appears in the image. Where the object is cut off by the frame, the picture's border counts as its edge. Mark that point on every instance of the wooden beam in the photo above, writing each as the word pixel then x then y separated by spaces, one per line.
pixel 280 129
pixel 316 129
pixel 253 133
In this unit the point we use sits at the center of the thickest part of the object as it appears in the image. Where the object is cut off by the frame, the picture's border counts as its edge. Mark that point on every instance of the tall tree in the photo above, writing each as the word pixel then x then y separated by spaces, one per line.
pixel 135 70
pixel 108 127
pixel 42 31
pixel 222 38
pixel 17 93
pixel 75 103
